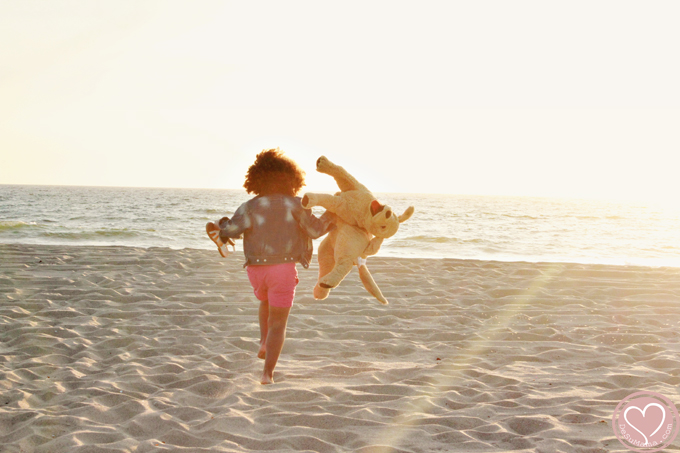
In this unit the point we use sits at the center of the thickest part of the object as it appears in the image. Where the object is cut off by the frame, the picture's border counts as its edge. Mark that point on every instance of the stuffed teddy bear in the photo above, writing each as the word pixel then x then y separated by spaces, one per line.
pixel 361 226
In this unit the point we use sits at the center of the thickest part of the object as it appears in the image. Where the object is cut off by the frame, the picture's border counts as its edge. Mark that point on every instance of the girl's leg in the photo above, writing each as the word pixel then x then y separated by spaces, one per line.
pixel 276 335
pixel 264 322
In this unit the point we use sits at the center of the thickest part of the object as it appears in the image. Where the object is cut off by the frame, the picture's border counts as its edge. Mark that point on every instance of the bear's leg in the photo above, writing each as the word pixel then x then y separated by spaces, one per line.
pixel 370 285
pixel 321 293
pixel 326 258
pixel 344 180
pixel 326 264
pixel 339 272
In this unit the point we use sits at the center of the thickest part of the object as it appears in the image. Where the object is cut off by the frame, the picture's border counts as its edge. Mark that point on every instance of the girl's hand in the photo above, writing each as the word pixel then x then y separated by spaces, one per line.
pixel 222 223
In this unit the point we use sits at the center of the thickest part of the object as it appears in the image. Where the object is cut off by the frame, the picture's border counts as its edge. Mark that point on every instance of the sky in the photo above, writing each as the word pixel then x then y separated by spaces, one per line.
pixel 533 98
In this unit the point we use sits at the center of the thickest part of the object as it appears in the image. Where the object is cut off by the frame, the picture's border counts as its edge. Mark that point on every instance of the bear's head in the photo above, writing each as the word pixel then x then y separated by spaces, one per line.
pixel 384 222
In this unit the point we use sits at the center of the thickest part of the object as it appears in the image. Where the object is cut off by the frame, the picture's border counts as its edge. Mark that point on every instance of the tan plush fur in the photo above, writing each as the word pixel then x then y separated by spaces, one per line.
pixel 362 224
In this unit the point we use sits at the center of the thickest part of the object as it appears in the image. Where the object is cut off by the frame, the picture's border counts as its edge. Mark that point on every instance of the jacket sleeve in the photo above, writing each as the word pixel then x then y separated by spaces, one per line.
pixel 233 228
pixel 315 227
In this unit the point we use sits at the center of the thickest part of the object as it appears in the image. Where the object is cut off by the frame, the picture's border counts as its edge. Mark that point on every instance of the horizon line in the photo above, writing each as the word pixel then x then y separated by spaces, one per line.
pixel 553 197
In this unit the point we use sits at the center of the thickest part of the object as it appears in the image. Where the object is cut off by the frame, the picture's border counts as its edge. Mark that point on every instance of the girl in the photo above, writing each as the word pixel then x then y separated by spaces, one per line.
pixel 277 233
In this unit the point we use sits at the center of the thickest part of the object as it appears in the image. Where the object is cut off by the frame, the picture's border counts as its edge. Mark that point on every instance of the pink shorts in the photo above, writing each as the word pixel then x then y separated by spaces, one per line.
pixel 275 283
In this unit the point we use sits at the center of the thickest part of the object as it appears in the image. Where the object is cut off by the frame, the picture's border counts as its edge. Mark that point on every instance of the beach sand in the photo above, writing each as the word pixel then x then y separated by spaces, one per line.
pixel 114 349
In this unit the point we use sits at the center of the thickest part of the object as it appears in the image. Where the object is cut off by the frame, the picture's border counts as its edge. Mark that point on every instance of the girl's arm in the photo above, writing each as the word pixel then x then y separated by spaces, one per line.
pixel 235 227
pixel 313 226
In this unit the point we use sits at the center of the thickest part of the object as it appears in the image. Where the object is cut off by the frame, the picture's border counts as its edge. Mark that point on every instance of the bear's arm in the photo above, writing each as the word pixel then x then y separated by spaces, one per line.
pixel 373 246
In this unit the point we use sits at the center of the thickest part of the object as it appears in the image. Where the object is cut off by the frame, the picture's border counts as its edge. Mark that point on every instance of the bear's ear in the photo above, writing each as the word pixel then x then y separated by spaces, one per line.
pixel 376 207
pixel 407 214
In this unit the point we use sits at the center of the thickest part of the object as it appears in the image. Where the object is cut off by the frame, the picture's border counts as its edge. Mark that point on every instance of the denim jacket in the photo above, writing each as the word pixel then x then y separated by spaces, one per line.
pixel 276 229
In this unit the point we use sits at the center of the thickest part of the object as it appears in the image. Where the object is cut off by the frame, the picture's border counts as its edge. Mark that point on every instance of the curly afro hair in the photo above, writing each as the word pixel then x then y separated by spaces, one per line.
pixel 274 173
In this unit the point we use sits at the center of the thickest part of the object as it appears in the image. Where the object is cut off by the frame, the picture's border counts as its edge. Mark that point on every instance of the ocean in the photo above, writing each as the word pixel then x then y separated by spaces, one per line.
pixel 443 226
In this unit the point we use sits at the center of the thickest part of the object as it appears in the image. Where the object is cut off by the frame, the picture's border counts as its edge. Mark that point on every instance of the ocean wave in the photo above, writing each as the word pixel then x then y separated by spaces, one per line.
pixel 443 226
pixel 520 216
pixel 10 225
pixel 98 234
pixel 439 240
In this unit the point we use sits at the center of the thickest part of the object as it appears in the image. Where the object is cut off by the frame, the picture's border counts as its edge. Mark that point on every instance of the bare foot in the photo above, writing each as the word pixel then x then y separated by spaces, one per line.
pixel 266 379
pixel 262 353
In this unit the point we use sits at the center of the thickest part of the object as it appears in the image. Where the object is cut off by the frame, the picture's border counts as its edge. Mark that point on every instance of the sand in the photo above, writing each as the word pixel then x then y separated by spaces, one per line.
pixel 113 349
